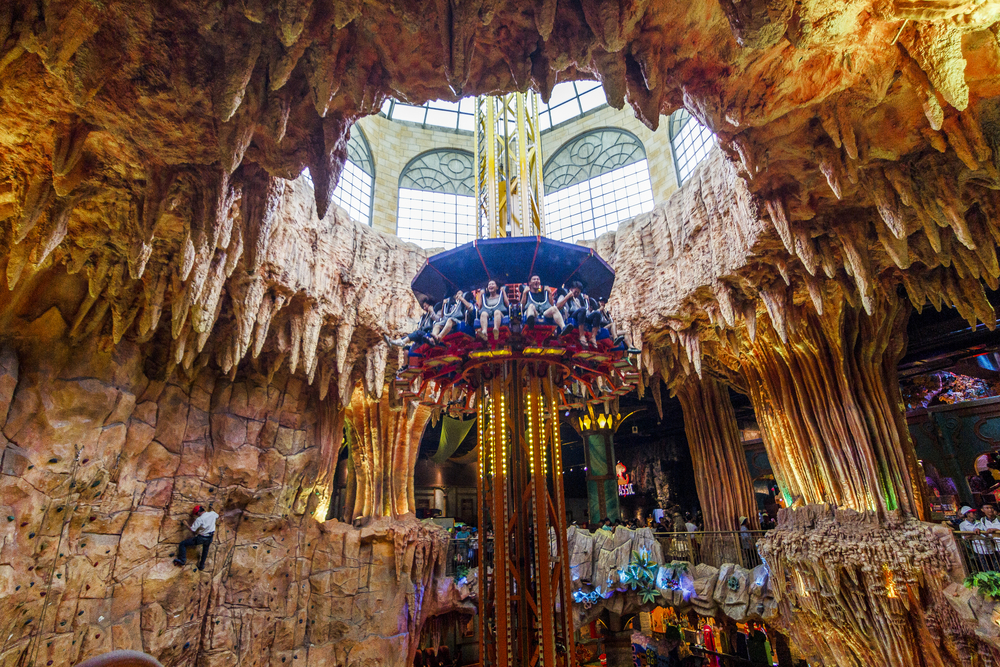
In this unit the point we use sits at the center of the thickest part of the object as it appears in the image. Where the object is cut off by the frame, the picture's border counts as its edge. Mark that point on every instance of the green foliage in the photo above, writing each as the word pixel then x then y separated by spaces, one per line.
pixel 640 575
pixel 987 583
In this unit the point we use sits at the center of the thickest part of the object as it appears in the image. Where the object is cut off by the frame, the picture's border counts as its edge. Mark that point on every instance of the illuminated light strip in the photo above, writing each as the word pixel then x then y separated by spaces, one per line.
pixel 541 431
pixel 531 430
pixel 489 354
pixel 556 442
pixel 480 438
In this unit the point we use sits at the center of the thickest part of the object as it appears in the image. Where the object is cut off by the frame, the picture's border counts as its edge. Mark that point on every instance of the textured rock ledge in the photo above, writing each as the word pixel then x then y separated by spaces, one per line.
pixel 100 468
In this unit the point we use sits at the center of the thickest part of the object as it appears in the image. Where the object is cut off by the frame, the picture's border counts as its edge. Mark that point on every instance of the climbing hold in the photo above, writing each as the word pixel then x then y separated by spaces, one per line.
pixel 31 535
pixel 53 460
pixel 97 482
pixel 59 509
pixel 10 518
pixel 187 645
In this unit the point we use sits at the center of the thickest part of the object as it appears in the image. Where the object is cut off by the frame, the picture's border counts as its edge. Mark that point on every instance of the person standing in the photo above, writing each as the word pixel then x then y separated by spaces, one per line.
pixel 204 530
pixel 984 550
pixel 990 524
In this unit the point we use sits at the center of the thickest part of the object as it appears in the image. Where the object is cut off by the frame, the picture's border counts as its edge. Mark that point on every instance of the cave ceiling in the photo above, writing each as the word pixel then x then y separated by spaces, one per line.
pixel 147 146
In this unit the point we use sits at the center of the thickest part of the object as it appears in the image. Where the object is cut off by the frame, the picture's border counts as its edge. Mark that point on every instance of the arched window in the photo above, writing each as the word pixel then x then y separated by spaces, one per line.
pixel 356 189
pixel 690 141
pixel 437 202
pixel 593 182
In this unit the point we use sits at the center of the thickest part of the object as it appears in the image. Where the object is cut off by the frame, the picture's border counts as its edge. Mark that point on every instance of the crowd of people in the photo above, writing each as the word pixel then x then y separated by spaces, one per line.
pixel 568 307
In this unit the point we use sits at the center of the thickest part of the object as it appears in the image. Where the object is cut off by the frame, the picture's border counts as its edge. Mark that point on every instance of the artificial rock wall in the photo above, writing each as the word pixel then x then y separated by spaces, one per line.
pixel 101 467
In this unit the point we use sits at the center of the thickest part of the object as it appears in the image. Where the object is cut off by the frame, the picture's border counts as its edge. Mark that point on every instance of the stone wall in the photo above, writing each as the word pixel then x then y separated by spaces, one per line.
pixel 101 467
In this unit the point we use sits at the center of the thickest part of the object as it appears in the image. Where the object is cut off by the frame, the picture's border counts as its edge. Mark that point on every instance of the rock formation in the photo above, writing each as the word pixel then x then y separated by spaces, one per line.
pixel 384 442
pixel 101 467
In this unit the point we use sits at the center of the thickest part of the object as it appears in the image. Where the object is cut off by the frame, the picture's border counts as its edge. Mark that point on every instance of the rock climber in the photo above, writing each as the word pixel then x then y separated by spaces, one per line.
pixel 204 530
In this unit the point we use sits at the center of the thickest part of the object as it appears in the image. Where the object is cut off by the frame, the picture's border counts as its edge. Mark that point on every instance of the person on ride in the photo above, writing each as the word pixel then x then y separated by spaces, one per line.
pixel 578 306
pixel 424 328
pixel 452 313
pixel 492 306
pixel 536 301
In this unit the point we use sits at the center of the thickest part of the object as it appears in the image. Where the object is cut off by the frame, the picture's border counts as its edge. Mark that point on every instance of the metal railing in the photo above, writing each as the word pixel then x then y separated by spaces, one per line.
pixel 980 552
pixel 462 554
pixel 713 548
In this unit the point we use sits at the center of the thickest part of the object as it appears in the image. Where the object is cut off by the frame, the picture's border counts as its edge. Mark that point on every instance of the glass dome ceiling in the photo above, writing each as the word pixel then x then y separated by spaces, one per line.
pixel 568 101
